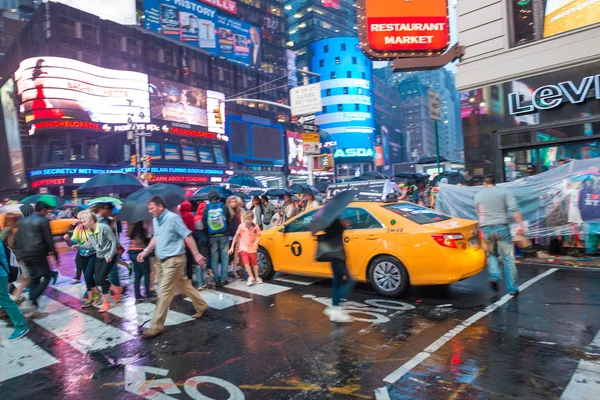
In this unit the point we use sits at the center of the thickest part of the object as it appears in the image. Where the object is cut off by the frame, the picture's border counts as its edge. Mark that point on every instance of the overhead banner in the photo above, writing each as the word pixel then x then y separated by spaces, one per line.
pixel 54 88
pixel 194 23
pixel 413 28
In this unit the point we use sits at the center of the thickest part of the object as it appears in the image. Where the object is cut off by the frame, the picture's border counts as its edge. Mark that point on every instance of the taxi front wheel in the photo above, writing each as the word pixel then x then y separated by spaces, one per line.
pixel 265 265
pixel 388 276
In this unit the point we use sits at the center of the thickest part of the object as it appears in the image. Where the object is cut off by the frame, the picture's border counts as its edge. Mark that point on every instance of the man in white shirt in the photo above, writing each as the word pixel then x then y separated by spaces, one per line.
pixel 256 49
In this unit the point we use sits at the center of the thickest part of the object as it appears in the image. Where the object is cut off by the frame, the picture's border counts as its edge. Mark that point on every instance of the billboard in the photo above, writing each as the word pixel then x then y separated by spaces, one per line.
pixel 13 134
pixel 190 153
pixel 225 5
pixel 172 152
pixel 255 144
pixel 153 150
pixel 205 27
pixel 565 15
pixel 55 88
pixel 296 158
pixel 401 28
pixel 171 101
pixel 119 11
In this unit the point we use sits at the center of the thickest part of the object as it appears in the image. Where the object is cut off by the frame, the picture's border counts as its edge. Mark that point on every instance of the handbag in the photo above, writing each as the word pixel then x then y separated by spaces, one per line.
pixel 330 250
pixel 12 269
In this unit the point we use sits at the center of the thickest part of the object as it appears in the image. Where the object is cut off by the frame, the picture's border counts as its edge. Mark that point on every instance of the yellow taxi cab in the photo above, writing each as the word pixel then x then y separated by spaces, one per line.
pixel 57 227
pixel 389 245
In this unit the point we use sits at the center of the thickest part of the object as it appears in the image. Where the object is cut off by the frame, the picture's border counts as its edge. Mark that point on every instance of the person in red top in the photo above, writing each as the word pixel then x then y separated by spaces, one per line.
pixel 248 236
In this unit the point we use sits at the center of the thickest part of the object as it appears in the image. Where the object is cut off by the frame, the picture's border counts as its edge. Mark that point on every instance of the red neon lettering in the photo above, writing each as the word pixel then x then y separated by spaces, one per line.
pixel 179 179
pixel 48 182
pixel 67 124
pixel 189 132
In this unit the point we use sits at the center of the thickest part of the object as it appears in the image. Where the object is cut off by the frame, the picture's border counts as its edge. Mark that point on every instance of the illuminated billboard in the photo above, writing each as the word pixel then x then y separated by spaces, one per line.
pixel 205 27
pixel 54 88
pixel 403 28
pixel 119 11
pixel 565 15
pixel 13 134
pixel 171 101
pixel 297 160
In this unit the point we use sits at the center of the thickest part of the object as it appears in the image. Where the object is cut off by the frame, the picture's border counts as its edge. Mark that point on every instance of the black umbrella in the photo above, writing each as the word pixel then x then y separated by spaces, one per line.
pixel 332 210
pixel 279 193
pixel 304 189
pixel 241 195
pixel 135 207
pixel 256 193
pixel 369 176
pixel 454 178
pixel 322 186
pixel 114 182
pixel 245 180
pixel 222 191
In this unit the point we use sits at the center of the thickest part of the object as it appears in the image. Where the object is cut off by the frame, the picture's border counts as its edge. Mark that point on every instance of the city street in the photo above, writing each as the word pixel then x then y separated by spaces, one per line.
pixel 273 342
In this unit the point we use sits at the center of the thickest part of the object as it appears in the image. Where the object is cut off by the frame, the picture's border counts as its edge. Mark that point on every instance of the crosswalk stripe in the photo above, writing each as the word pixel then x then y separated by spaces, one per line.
pixel 221 300
pixel 82 332
pixel 128 310
pixel 20 357
pixel 298 280
pixel 264 289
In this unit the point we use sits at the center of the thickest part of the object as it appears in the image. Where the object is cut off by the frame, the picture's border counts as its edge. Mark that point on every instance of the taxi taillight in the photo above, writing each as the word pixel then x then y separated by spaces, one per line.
pixel 448 239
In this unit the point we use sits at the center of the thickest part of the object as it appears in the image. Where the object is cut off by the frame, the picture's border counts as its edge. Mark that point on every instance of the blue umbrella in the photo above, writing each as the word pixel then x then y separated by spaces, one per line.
pixel 245 180
pixel 115 182
pixel 135 208
pixel 202 194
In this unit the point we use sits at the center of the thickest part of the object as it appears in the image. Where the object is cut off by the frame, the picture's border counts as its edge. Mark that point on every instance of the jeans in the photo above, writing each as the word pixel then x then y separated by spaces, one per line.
pixel 88 271
pixel 592 234
pixel 219 247
pixel 102 270
pixel 8 305
pixel 40 273
pixel 189 265
pixel 199 276
pixel 499 243
pixel 142 270
pixel 79 266
pixel 340 289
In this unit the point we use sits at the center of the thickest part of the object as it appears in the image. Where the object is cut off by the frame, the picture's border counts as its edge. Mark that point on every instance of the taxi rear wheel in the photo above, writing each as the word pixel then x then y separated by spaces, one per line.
pixel 388 276
pixel 265 265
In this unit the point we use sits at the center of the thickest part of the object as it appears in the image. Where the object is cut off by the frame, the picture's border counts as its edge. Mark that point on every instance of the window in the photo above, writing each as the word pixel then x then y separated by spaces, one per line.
pixel 340 107
pixel 337 61
pixel 332 75
pixel 326 49
pixel 301 224
pixel 359 218
pixel 343 46
pixel 368 108
pixel 356 107
pixel 417 214
pixel 345 90
pixel 324 109
pixel 328 92
pixel 349 74
pixel 322 63
pixel 354 60
pixel 364 75
pixel 58 151
pixel 85 151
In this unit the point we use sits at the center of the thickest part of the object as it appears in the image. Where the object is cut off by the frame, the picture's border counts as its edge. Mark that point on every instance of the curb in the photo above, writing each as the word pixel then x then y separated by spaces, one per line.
pixel 559 266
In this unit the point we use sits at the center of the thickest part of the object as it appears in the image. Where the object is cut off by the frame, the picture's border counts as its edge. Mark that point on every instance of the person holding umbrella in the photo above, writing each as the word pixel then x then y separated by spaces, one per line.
pixel 289 210
pixel 330 248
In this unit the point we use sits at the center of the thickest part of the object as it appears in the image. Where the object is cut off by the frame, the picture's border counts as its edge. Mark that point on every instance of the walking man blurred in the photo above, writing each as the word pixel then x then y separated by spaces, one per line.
pixel 493 205
pixel 169 241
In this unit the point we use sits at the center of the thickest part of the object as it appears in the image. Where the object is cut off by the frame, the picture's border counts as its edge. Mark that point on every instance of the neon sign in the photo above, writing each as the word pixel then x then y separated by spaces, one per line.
pixel 343 153
pixel 128 170
pixel 48 182
pixel 179 179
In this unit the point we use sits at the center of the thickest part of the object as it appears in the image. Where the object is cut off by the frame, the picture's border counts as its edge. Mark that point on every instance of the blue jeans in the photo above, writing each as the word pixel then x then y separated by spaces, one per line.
pixel 8 305
pixel 142 270
pixel 340 289
pixel 499 243
pixel 592 233
pixel 88 271
pixel 219 247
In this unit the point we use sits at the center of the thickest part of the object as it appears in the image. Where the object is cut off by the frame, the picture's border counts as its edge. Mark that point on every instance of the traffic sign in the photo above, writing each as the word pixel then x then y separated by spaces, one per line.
pixel 306 99
pixel 310 128
pixel 311 138
pixel 306 118
pixel 434 106
pixel 311 148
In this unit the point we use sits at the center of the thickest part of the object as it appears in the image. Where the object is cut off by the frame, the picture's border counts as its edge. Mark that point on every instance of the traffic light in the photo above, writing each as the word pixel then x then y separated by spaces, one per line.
pixel 150 176
pixel 74 193
pixel 218 117
pixel 148 161
pixel 133 160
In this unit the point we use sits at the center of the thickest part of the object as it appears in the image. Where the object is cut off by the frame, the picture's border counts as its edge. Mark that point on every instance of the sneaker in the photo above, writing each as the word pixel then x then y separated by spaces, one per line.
pixel 75 281
pixel 88 303
pixel 337 314
pixel 515 293
pixel 259 280
pixel 105 307
pixel 54 276
pixel 250 281
pixel 18 334
pixel 116 297
pixel 97 299
pixel 151 295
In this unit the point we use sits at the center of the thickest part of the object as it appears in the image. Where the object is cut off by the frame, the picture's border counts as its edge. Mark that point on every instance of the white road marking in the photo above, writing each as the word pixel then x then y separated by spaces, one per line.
pixel 382 394
pixel 84 333
pixel 585 382
pixel 20 357
pixel 221 300
pixel 264 289
pixel 432 348
pixel 298 280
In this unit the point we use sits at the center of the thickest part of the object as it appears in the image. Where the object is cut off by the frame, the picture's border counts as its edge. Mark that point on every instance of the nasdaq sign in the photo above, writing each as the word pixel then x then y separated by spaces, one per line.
pixel 345 153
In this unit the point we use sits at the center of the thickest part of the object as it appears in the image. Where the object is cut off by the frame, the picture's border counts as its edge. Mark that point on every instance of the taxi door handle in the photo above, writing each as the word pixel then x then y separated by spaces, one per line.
pixel 372 237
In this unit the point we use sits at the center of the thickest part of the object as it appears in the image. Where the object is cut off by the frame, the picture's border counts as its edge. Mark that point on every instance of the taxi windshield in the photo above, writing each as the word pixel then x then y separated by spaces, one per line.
pixel 417 214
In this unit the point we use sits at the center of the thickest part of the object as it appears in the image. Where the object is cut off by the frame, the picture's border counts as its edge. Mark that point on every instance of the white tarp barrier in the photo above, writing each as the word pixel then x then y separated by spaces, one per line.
pixel 562 201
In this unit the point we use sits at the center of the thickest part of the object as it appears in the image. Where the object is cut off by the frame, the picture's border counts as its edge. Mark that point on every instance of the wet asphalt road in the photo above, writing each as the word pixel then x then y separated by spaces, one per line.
pixel 281 346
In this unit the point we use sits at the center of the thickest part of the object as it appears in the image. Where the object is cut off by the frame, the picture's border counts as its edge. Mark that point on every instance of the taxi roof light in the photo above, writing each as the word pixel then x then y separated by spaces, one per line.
pixel 447 239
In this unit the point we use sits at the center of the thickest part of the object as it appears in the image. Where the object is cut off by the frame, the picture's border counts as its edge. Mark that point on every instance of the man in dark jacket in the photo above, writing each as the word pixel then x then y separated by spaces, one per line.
pixel 33 243
pixel 215 220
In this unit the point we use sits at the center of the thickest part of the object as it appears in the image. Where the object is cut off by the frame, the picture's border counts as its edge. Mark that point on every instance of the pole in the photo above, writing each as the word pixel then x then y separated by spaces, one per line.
pixel 137 154
pixel 305 78
pixel 144 163
pixel 437 147
pixel 311 162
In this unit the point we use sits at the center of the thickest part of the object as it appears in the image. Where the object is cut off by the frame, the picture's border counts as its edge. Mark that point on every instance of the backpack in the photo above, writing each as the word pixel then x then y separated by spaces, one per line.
pixel 12 269
pixel 216 220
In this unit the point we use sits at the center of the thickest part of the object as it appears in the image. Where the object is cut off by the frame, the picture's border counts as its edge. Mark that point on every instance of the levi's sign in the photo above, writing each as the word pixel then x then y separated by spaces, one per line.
pixel 552 96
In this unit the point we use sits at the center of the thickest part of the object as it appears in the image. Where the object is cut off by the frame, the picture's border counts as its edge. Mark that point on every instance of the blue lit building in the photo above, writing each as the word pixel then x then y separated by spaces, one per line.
pixel 346 89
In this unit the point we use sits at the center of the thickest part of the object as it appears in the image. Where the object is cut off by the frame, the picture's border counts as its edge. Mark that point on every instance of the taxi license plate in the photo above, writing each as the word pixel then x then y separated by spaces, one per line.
pixel 474 242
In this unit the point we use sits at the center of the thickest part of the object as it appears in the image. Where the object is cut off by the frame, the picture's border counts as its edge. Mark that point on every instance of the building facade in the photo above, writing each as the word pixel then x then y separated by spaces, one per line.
pixel 65 140
pixel 529 84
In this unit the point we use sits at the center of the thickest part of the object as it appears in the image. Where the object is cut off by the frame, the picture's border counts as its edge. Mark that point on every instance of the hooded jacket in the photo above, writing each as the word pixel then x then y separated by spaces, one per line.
pixel 186 215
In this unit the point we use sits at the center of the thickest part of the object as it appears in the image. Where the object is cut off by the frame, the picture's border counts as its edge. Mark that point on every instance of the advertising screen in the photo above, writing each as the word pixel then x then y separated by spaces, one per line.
pixel 204 26
pixel 266 143
pixel 565 15
pixel 54 88
pixel 239 133
pixel 297 160
pixel 172 152
pixel 171 101
pixel 153 150
pixel 119 11
pixel 206 155
pixel 219 156
pixel 13 134
pixel 190 153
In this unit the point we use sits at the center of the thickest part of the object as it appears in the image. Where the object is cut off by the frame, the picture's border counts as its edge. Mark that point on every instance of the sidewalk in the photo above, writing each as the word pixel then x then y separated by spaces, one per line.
pixel 562 261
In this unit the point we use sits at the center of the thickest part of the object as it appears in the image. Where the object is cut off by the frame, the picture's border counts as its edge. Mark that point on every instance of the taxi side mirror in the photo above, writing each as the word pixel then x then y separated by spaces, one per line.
pixel 283 228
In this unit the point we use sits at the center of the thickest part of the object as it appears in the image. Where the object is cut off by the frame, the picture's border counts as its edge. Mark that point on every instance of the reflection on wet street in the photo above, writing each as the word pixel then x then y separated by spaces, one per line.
pixel 461 341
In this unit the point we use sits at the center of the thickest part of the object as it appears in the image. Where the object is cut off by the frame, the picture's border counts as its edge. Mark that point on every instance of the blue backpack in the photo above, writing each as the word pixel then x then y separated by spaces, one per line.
pixel 216 220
